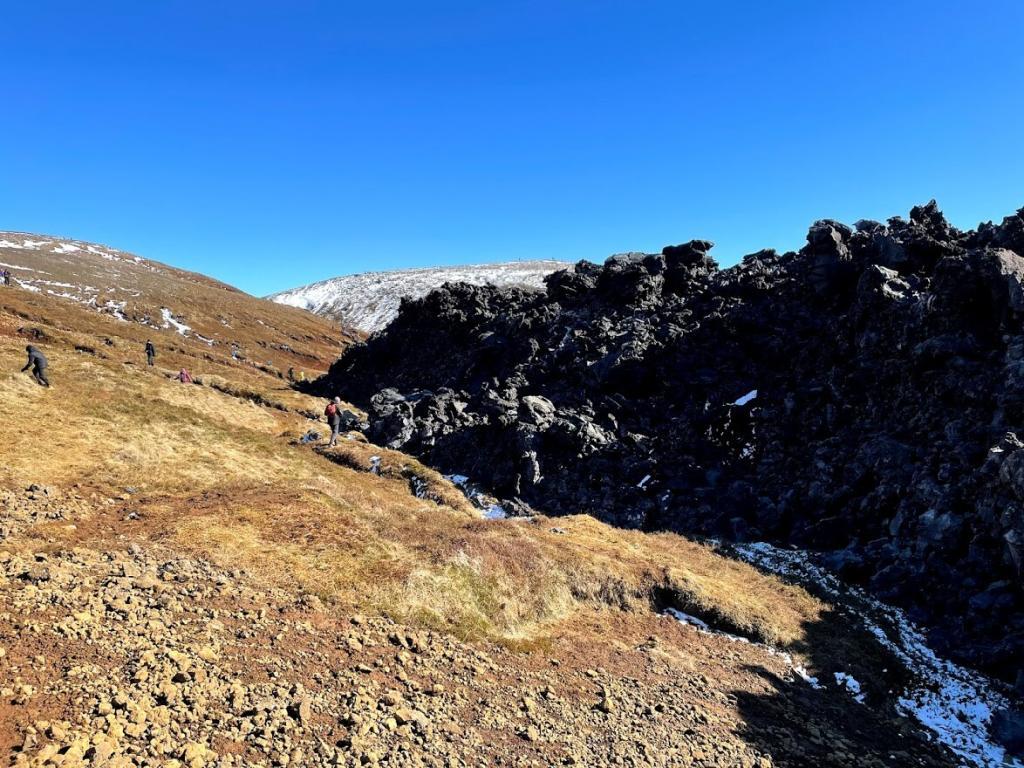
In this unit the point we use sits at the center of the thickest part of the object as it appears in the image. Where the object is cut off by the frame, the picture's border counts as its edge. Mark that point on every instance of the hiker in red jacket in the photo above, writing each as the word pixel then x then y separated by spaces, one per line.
pixel 333 414
pixel 184 376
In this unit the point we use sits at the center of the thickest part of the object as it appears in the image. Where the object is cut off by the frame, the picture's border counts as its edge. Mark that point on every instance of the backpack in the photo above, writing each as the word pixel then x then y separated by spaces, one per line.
pixel 332 410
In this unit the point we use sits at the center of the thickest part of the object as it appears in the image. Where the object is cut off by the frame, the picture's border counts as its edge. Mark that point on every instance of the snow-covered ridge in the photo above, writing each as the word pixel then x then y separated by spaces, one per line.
pixel 369 301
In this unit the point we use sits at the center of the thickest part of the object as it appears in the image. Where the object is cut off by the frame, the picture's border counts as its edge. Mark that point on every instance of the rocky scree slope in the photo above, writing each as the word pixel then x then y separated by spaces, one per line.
pixel 369 301
pixel 862 397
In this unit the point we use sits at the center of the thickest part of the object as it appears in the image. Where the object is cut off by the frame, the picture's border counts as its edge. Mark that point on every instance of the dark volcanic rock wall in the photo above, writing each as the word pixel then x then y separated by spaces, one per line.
pixel 889 367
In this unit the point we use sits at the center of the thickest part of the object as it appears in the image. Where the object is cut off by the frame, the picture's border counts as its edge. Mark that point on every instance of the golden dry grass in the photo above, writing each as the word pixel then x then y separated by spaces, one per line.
pixel 218 474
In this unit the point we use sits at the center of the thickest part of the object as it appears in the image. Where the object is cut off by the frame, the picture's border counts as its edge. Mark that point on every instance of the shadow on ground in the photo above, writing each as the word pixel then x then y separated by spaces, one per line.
pixel 799 725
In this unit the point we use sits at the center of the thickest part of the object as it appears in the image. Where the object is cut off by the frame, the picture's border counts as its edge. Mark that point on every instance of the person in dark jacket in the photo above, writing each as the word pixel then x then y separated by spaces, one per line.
pixel 37 362
pixel 150 353
pixel 333 414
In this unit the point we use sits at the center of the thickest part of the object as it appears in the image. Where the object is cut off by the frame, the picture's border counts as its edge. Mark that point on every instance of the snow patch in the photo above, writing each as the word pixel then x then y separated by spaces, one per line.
pixel 116 308
pixel 702 626
pixel 752 394
pixel 686 618
pixel 169 322
pixel 19 267
pixel 486 504
pixel 24 245
pixel 804 675
pixel 55 283
pixel 495 512
pixel 105 254
pixel 846 681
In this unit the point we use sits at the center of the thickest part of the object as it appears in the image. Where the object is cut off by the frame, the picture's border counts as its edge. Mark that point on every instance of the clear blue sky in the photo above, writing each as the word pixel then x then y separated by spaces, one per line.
pixel 272 144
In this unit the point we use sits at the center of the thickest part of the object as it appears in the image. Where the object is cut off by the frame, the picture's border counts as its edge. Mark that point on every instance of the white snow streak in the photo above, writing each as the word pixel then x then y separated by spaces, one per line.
pixel 489 507
pixel 117 309
pixel 169 321
pixel 19 267
pixel 702 626
pixel 850 684
pixel 746 398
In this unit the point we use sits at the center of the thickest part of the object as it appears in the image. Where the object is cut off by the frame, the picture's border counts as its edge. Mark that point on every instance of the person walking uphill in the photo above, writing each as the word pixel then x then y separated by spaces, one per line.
pixel 333 414
pixel 37 362
pixel 150 353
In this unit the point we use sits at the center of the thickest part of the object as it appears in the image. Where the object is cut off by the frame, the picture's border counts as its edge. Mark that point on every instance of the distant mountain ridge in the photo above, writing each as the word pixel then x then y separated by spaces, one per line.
pixel 370 300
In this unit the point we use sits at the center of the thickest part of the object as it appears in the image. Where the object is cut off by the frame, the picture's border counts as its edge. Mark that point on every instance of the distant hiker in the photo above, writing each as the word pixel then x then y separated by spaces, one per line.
pixel 333 414
pixel 37 362
pixel 150 353
pixel 6 275
pixel 302 375
pixel 291 374
pixel 184 376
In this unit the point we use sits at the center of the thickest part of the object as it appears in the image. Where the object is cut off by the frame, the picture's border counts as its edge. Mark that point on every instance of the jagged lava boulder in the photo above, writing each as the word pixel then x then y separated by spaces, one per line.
pixel 888 364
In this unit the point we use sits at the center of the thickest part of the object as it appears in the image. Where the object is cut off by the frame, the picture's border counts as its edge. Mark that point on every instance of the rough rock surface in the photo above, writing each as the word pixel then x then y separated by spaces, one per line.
pixel 888 364
pixel 134 654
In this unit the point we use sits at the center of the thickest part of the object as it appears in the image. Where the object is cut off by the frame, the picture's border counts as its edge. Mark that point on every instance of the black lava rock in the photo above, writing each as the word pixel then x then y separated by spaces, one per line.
pixel 888 364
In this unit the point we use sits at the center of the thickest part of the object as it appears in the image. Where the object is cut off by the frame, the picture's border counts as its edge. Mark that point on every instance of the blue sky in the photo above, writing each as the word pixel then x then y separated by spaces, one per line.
pixel 273 144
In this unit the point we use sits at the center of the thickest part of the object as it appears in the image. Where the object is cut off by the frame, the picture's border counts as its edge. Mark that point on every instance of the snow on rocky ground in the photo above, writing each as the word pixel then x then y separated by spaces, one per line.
pixel 369 301
pixel 954 703
pixel 751 395
pixel 18 267
pixel 702 626
pixel 171 321
pixel 116 308
pixel 850 684
pixel 488 505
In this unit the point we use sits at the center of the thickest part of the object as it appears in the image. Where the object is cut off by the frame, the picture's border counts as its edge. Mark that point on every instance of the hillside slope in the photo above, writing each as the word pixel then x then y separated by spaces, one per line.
pixel 369 301
pixel 863 397
pixel 184 305
pixel 184 582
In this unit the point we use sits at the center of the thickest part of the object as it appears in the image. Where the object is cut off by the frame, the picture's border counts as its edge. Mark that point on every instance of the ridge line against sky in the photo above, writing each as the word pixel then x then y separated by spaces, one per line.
pixel 272 145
